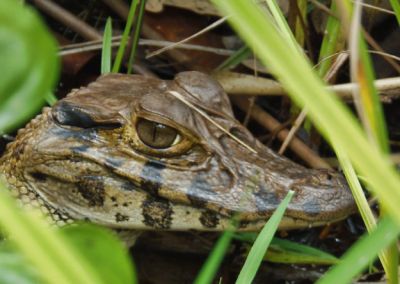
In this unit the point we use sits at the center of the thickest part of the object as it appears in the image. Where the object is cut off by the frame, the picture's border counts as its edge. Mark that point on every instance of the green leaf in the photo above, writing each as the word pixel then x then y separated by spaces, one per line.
pixel 285 251
pixel 210 267
pixel 235 59
pixel 56 260
pixel 396 8
pixel 331 43
pixel 136 35
pixel 106 50
pixel 262 242
pixel 125 36
pixel 371 109
pixel 104 250
pixel 362 253
pixel 29 65
pixel 98 246
pixel 51 99
pixel 282 25
pixel 15 269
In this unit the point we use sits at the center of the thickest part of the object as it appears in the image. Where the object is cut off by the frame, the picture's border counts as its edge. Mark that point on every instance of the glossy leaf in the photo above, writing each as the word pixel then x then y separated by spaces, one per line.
pixel 98 246
pixel 55 259
pixel 15 269
pixel 104 251
pixel 29 65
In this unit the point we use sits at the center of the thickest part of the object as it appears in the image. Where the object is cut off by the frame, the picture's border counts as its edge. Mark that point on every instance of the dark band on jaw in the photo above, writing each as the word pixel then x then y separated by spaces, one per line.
pixel 157 213
pixel 209 219
pixel 92 189
pixel 151 177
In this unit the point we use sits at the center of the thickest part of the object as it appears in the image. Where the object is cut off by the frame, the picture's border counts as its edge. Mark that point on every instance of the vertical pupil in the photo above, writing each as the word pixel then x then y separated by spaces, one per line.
pixel 157 127
pixel 154 134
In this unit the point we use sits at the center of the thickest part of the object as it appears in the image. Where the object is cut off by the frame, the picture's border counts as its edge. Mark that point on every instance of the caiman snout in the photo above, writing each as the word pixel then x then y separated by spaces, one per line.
pixel 322 196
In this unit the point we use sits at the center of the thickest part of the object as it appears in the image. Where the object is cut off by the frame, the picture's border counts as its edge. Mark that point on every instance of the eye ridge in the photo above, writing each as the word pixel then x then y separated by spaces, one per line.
pixel 157 135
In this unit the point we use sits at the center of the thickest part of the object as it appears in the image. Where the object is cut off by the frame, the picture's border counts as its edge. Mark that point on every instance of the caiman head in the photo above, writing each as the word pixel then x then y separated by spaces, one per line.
pixel 127 153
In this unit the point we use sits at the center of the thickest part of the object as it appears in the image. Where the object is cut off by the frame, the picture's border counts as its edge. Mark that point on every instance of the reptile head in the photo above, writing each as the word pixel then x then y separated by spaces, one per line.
pixel 126 152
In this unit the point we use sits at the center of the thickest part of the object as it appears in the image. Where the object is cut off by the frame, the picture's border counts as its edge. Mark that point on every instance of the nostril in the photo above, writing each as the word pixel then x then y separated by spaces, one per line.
pixel 328 176
pixel 67 114
pixel 39 176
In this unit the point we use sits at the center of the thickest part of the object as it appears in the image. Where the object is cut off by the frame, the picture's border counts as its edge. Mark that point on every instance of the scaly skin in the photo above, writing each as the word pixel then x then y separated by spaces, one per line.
pixel 84 159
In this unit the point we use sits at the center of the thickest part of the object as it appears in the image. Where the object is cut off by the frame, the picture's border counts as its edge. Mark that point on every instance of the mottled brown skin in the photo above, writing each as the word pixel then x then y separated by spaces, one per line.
pixel 85 160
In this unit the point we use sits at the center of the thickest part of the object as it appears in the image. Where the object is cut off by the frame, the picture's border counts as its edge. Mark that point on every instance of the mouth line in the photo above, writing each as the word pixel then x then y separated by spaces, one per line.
pixel 288 222
pixel 48 169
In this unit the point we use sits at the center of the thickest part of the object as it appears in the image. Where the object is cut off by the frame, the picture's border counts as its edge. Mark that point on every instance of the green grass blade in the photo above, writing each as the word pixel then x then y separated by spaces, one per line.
pixel 232 61
pixel 136 35
pixel 262 242
pixel 56 261
pixel 210 267
pixel 106 50
pixel 390 261
pixel 331 43
pixel 282 24
pixel 286 251
pixel 396 8
pixel 367 102
pixel 370 111
pixel 300 24
pixel 362 253
pixel 330 115
pixel 125 36
pixel 356 189
pixel 371 104
pixel 364 209
pixel 51 99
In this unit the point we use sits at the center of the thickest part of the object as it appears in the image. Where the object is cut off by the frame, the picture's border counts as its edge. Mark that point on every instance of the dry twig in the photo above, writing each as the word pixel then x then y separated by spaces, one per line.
pixel 68 19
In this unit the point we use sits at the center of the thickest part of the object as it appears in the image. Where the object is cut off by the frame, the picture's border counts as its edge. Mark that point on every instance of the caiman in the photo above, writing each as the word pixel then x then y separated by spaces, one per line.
pixel 127 153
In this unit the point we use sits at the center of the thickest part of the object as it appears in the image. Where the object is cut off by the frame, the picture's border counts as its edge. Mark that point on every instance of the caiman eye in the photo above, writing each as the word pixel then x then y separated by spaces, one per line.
pixel 157 135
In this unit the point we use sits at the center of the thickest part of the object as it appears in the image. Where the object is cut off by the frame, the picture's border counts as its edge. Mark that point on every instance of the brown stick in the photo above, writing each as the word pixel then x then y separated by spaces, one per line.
pixel 339 61
pixel 296 145
pixel 248 85
pixel 68 19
